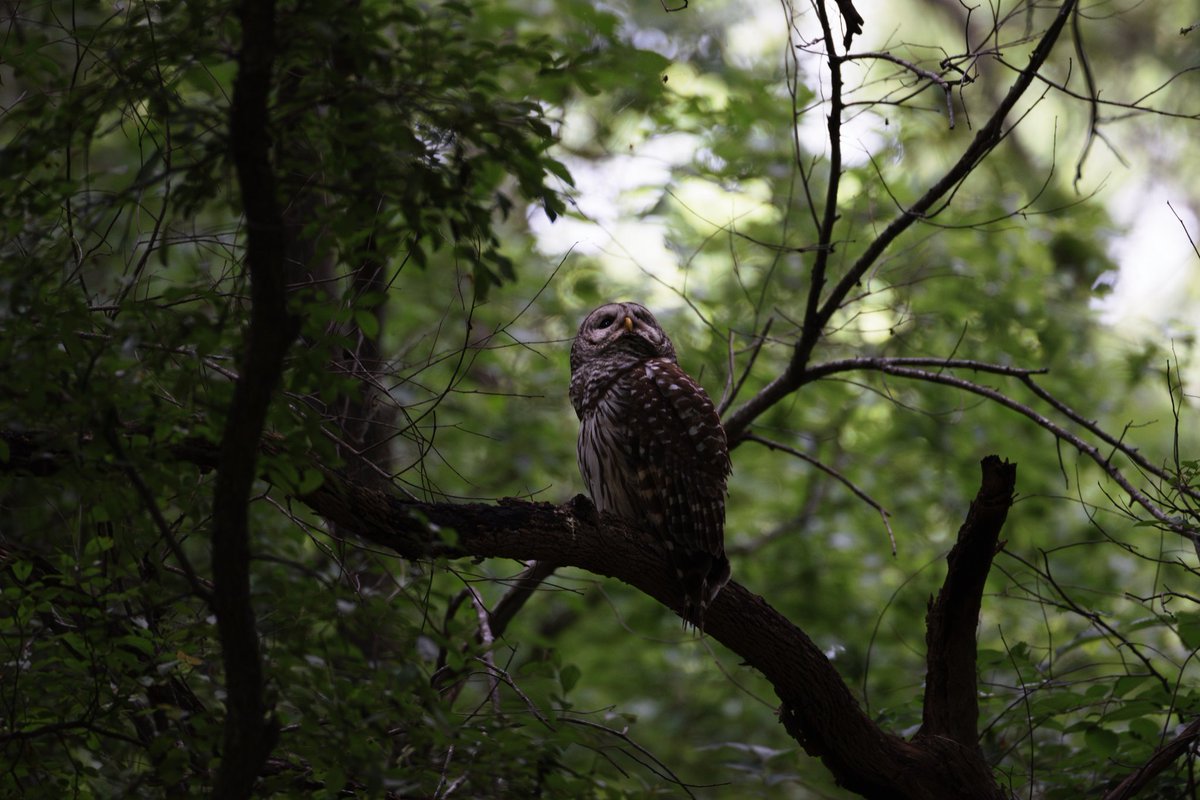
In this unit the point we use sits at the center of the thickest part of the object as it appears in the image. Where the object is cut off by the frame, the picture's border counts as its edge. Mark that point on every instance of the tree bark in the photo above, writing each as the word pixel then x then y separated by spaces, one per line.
pixel 250 728
pixel 951 692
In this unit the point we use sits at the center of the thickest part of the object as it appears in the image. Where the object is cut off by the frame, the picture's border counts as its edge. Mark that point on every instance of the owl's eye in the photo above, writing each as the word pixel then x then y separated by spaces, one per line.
pixel 605 322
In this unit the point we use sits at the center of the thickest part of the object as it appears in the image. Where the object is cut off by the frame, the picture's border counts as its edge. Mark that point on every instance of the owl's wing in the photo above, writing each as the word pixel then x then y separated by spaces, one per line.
pixel 683 453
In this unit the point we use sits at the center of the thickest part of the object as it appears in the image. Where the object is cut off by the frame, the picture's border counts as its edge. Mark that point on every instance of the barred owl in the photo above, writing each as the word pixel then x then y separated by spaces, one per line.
pixel 651 447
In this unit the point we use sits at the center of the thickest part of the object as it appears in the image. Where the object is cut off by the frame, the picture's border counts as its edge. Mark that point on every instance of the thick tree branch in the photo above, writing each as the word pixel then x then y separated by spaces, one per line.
pixel 250 730
pixel 817 708
pixel 951 694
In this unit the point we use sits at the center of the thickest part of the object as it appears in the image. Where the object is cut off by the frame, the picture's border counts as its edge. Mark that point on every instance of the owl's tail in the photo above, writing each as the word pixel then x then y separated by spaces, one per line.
pixel 702 576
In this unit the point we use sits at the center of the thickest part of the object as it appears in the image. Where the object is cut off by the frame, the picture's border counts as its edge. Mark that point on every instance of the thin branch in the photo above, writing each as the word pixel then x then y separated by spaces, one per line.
pixel 1186 232
pixel 946 86
pixel 901 367
pixel 1093 95
pixel 813 323
pixel 659 768
pixel 1059 432
pixel 514 599
pixel 884 363
pixel 884 514
pixel 983 143
pixel 1090 425
pixel 1092 617
pixel 731 394
pixel 156 516
pixel 1029 724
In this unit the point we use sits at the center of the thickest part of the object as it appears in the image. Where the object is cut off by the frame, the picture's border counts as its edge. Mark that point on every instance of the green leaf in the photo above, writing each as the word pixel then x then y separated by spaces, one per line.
pixel 139 643
pixel 367 322
pixel 21 570
pixel 1146 729
pixel 310 481
pixel 568 676
pixel 1188 628
pixel 1101 742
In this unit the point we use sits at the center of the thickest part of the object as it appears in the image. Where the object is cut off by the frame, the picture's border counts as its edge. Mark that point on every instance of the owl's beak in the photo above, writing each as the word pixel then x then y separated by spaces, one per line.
pixel 629 323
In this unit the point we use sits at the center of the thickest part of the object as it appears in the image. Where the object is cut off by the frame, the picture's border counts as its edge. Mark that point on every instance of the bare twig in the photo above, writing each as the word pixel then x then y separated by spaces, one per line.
pixel 813 322
pixel 657 767
pixel 1089 81
pixel 731 394
pixel 156 516
pixel 946 86
pixel 884 514
pixel 1059 432
pixel 535 574
pixel 1186 232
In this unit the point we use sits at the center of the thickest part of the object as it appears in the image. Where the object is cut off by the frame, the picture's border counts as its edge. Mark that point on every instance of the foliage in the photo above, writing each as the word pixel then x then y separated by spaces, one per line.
pixel 422 150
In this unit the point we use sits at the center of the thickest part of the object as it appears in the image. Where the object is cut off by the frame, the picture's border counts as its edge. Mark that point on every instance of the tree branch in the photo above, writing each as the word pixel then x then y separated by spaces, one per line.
pixel 951 694
pixel 817 707
pixel 813 324
pixel 250 729
pixel 1162 758
pixel 795 375
pixel 1104 462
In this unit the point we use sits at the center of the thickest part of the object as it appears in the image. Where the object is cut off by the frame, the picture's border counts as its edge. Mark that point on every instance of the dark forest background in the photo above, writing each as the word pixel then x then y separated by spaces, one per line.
pixel 287 466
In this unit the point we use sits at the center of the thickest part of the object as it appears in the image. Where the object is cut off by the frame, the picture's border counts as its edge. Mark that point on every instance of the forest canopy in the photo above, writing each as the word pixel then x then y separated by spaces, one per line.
pixel 289 502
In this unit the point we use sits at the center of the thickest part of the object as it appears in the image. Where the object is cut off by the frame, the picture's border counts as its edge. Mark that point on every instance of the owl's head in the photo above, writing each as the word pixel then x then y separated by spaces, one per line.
pixel 620 329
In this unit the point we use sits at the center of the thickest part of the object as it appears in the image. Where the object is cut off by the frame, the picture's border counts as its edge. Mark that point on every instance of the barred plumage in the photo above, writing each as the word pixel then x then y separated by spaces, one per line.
pixel 651 446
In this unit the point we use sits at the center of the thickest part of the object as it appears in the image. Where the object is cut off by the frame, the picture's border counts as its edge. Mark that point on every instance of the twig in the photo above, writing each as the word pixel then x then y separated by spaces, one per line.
pixel 486 639
pixel 1089 81
pixel 946 86
pixel 160 522
pixel 884 363
pixel 1072 439
pixel 535 574
pixel 813 321
pixel 730 396
pixel 623 735
pixel 1131 453
pixel 906 367
pixel 1095 619
pixel 1186 232
pixel 833 473
pixel 1024 699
